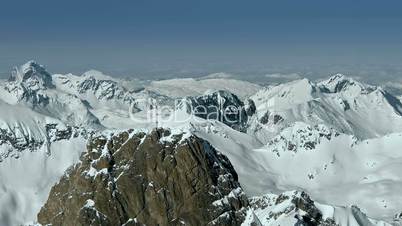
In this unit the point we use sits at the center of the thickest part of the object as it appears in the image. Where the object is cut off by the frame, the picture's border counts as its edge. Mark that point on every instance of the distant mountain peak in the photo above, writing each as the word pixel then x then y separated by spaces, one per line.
pixel 95 74
pixel 338 76
pixel 340 82
pixel 336 80
pixel 32 76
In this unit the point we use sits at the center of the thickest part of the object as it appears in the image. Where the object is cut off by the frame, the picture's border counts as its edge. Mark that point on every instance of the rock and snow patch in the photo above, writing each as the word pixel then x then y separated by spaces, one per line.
pixel 341 103
pixel 26 181
pixel 297 208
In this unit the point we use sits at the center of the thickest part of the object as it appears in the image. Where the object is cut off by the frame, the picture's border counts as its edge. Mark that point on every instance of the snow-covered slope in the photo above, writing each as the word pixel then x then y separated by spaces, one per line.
pixel 339 140
pixel 22 128
pixel 25 182
pixel 341 103
pixel 35 150
pixel 94 87
pixel 338 169
pixel 193 87
pixel 323 171
pixel 110 99
pixel 297 208
pixel 31 85
pixel 93 100
pixel 97 100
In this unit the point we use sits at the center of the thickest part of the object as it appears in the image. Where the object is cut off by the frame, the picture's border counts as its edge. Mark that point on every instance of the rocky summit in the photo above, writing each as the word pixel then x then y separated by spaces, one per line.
pixel 158 178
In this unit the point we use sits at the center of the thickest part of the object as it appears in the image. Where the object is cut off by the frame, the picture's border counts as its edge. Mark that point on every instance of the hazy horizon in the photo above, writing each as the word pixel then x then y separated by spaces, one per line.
pixel 183 38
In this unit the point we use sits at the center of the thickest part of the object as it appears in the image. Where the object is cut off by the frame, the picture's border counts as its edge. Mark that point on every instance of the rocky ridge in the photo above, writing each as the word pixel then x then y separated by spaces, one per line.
pixel 18 143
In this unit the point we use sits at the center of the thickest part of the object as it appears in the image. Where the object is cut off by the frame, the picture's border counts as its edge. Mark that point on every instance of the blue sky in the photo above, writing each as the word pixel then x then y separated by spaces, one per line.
pixel 140 37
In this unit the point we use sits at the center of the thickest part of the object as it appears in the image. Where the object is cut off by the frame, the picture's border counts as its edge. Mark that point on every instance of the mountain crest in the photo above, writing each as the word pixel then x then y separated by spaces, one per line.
pixel 340 82
pixel 32 75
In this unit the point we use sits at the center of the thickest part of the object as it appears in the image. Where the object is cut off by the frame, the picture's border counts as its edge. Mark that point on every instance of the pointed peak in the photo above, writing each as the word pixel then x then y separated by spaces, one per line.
pixel 32 75
pixel 337 77
pixel 30 68
pixel 299 85
pixel 340 82
pixel 31 64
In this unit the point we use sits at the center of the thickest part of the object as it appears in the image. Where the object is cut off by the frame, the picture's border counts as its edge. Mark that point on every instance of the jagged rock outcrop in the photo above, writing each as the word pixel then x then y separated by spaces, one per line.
pixel 222 106
pixel 300 137
pixel 155 179
pixel 102 87
pixel 296 207
pixel 32 76
pixel 398 219
pixel 340 83
pixel 18 141
pixel 28 81
pixel 31 85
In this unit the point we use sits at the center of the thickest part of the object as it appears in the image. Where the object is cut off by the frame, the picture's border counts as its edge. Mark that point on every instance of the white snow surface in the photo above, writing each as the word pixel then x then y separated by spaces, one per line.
pixel 341 103
pixel 193 87
pixel 26 182
pixel 342 171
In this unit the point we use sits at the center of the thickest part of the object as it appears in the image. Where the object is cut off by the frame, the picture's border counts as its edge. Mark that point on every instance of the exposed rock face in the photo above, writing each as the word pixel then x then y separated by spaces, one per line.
pixel 28 81
pixel 222 106
pixel 287 207
pixel 398 219
pixel 31 85
pixel 300 137
pixel 340 83
pixel 155 179
pixel 103 88
pixel 18 141
pixel 250 107
pixel 32 76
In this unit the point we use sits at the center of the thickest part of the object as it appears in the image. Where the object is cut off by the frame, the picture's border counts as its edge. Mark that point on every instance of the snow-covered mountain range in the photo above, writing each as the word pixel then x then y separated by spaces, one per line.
pixel 305 151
